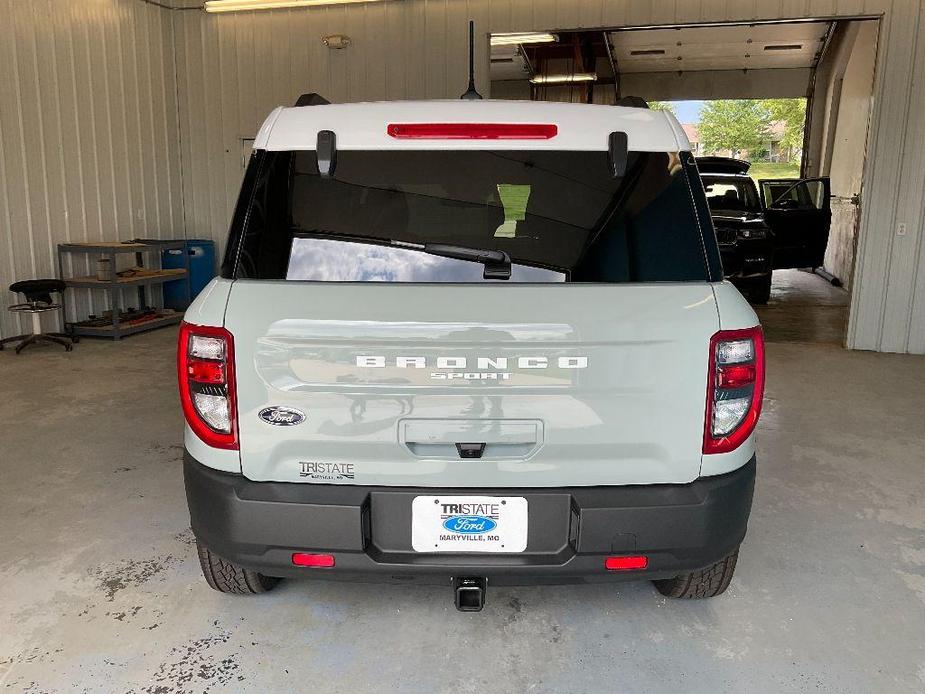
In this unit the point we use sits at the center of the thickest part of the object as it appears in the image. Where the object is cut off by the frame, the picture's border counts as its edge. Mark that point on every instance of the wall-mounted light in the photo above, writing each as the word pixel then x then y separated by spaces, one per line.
pixel 522 38
pixel 244 5
pixel 337 41
pixel 564 79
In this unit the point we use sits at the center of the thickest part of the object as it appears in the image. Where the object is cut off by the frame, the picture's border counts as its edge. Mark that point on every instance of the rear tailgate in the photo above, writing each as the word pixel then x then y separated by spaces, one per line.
pixel 602 384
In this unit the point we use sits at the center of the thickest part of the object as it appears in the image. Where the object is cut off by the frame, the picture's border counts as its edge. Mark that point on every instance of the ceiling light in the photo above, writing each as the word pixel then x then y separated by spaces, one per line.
pixel 521 38
pixel 243 5
pixel 565 79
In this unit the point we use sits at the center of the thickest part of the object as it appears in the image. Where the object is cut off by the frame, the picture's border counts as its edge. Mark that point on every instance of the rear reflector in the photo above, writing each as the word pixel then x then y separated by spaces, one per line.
pixel 313 560
pixel 626 563
pixel 473 131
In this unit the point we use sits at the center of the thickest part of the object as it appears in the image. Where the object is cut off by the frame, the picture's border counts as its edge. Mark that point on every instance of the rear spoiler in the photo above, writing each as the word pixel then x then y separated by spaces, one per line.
pixel 311 99
pixel 632 102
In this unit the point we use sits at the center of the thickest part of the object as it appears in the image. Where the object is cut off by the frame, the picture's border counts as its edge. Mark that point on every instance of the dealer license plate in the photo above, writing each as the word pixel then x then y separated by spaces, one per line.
pixel 469 524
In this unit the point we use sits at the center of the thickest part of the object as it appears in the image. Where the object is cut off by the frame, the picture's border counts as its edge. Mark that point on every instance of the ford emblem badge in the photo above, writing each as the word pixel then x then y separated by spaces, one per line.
pixel 281 416
pixel 469 525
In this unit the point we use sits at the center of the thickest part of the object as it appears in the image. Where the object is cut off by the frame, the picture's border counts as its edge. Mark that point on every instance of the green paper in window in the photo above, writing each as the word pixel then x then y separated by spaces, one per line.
pixel 514 198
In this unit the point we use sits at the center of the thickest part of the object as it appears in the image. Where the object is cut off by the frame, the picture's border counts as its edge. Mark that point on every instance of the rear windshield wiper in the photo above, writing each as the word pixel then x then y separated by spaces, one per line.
pixel 497 263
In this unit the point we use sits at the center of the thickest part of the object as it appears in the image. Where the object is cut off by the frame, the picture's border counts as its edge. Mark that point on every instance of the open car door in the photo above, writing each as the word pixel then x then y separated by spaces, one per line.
pixel 799 213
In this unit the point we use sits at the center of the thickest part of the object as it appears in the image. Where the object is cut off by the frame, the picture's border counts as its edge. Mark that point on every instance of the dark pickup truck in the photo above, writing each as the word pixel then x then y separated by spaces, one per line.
pixel 776 224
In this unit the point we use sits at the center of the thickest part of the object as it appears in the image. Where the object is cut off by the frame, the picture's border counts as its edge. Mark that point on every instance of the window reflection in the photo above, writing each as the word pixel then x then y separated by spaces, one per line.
pixel 333 260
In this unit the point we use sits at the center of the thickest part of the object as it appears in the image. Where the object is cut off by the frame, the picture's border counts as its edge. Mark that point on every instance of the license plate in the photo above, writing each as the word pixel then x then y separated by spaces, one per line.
pixel 469 524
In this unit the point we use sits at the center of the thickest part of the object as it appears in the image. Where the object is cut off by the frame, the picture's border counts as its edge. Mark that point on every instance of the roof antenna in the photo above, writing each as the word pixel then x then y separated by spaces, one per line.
pixel 471 94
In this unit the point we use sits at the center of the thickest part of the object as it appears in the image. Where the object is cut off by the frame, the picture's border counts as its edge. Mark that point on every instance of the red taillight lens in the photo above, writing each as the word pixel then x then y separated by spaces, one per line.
pixel 735 376
pixel 203 371
pixel 633 563
pixel 473 131
pixel 318 561
pixel 735 388
pixel 205 366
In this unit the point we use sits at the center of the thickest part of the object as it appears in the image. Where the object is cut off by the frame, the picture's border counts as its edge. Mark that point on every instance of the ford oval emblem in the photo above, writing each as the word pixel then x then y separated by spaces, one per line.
pixel 281 416
pixel 470 525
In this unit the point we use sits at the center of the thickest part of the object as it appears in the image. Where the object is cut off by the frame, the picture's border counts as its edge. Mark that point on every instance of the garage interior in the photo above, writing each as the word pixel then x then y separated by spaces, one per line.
pixel 830 63
pixel 128 119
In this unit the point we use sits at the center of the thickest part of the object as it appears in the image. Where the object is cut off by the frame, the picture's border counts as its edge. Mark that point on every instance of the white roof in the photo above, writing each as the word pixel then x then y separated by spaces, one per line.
pixel 363 125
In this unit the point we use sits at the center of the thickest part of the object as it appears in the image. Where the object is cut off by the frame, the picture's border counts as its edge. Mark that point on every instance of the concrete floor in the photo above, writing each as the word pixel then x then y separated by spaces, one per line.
pixel 101 590
pixel 804 308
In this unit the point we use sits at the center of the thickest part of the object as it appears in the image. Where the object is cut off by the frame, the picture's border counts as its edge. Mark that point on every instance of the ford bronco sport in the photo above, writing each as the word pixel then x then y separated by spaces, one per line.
pixel 471 343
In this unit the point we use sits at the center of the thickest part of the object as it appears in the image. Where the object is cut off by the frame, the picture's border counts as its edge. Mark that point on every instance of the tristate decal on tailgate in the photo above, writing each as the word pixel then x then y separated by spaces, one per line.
pixel 327 471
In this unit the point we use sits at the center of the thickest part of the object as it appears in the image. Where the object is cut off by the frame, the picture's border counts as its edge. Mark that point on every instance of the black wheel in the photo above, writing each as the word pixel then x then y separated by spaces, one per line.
pixel 226 577
pixel 706 583
pixel 760 290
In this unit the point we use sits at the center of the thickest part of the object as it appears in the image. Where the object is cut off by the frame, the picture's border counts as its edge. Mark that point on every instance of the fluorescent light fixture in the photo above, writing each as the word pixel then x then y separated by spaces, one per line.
pixel 521 38
pixel 244 5
pixel 565 79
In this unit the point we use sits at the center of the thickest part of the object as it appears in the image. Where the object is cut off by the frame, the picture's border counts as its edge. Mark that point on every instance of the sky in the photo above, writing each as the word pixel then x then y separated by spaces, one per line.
pixel 688 111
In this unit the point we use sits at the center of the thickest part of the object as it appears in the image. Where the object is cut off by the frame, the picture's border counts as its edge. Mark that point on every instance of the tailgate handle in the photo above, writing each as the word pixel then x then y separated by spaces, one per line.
pixel 470 450
pixel 474 439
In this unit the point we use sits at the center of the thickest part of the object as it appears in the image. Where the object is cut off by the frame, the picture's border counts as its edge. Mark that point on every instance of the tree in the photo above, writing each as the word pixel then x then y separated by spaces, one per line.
pixel 792 112
pixel 663 106
pixel 734 124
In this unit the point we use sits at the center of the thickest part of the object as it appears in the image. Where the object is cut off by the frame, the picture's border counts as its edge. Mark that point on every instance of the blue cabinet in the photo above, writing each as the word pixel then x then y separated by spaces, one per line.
pixel 201 254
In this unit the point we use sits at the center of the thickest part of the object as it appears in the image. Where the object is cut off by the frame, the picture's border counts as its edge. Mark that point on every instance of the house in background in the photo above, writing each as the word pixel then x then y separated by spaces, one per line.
pixel 772 149
pixel 693 134
pixel 692 130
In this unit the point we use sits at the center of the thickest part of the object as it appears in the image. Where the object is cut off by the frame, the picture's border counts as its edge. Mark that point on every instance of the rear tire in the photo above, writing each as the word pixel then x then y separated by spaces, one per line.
pixel 706 583
pixel 226 577
pixel 760 290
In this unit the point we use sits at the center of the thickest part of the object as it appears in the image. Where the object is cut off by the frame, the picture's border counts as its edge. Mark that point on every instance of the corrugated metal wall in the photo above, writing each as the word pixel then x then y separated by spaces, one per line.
pixel 89 143
pixel 232 69
pixel 235 68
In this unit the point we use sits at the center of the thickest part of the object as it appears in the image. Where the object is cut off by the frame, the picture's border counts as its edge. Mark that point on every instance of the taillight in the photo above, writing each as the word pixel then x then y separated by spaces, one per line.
pixel 472 131
pixel 735 388
pixel 205 366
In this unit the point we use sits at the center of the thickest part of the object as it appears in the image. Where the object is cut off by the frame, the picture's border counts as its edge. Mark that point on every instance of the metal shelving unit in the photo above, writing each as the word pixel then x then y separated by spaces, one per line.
pixel 118 327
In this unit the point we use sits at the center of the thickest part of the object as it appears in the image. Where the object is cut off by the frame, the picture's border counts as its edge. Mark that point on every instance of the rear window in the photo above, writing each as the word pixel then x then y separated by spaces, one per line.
pixel 560 216
pixel 731 194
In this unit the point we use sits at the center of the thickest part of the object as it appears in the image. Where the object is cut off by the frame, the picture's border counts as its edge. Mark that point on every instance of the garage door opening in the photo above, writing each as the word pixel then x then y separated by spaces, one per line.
pixel 770 76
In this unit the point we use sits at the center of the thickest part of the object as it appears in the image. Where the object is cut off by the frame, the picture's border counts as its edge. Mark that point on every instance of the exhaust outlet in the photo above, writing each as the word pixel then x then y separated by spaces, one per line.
pixel 469 594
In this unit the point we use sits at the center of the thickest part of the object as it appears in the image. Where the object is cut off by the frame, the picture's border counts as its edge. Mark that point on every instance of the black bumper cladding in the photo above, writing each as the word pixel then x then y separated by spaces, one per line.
pixel 571 530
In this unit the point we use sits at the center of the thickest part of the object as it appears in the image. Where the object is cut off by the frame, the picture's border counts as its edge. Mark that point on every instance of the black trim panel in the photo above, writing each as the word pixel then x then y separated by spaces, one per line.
pixel 680 527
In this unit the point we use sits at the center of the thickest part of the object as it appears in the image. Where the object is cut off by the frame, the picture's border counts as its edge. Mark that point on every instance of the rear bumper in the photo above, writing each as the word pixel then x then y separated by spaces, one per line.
pixel 747 259
pixel 679 527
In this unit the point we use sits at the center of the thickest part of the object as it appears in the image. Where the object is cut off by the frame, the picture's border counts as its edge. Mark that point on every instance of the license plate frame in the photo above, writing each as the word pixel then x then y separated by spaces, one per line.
pixel 469 524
